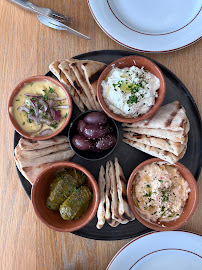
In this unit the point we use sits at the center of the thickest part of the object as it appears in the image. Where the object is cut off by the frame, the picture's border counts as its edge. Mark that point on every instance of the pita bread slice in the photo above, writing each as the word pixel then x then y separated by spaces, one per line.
pixel 92 71
pixel 176 136
pixel 171 116
pixel 108 215
pixel 107 194
pixel 57 156
pixel 25 144
pixel 113 223
pixel 101 207
pixel 70 75
pixel 31 173
pixel 114 195
pixel 76 67
pixel 164 144
pixel 123 208
pixel 31 154
pixel 54 68
pixel 156 152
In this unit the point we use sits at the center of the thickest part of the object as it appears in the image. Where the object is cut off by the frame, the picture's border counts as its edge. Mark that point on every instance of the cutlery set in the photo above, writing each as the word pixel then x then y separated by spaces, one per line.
pixel 50 17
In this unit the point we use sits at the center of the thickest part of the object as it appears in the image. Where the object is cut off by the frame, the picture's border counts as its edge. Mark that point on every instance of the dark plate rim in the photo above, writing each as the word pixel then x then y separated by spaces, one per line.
pixel 124 53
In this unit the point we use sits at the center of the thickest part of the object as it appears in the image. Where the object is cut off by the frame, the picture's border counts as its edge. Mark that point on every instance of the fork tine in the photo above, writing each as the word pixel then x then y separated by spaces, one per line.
pixel 56 14
pixel 59 19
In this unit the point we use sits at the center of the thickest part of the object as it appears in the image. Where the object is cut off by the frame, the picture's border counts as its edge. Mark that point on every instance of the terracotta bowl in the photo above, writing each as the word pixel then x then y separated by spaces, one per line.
pixel 189 207
pixel 40 192
pixel 18 89
pixel 128 61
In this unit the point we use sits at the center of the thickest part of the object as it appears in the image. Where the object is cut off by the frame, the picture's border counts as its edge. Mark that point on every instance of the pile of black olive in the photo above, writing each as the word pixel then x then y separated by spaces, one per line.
pixel 95 134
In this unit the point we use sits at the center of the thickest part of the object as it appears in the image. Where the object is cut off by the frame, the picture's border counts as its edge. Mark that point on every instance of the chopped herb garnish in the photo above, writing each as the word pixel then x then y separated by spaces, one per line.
pixel 66 115
pixel 31 83
pixel 50 89
pixel 54 125
pixel 162 208
pixel 170 216
pixel 23 123
pixel 165 199
pixel 45 97
pixel 147 194
pixel 154 213
pixel 177 214
pixel 160 180
pixel 17 100
pixel 132 99
pixel 119 83
pixel 148 186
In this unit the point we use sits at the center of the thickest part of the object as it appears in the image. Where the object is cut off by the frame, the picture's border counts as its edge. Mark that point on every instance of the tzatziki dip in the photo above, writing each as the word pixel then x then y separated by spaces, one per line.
pixel 160 192
pixel 130 91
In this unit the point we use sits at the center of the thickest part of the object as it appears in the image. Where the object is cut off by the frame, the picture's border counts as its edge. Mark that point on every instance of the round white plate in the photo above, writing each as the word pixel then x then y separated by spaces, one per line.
pixel 172 250
pixel 150 26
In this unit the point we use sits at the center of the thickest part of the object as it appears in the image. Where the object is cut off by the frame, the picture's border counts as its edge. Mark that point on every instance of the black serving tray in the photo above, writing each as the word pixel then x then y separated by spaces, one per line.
pixel 130 157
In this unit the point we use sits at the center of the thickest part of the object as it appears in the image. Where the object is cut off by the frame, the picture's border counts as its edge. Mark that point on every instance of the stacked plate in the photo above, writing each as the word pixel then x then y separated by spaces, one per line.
pixel 149 26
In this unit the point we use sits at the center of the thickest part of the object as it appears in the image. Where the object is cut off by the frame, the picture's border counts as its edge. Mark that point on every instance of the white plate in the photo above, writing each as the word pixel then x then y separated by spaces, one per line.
pixel 150 26
pixel 172 250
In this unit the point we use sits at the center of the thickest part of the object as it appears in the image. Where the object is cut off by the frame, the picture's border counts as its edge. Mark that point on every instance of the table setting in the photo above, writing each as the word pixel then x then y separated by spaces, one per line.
pixel 101 135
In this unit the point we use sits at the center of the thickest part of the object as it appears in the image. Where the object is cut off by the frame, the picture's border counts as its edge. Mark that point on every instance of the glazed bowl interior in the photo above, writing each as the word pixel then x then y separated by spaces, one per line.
pixel 89 155
pixel 129 61
pixel 18 89
pixel 40 193
pixel 189 207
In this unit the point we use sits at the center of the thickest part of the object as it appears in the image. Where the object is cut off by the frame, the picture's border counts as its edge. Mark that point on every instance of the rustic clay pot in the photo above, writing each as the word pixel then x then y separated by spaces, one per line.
pixel 52 219
pixel 189 207
pixel 129 61
pixel 18 89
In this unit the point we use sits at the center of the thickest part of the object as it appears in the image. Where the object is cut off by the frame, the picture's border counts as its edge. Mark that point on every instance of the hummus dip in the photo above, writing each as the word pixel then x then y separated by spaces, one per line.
pixel 40 108
pixel 160 192
pixel 130 92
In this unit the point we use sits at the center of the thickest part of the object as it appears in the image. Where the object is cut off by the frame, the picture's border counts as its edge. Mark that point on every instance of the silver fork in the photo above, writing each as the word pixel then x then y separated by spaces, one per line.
pixel 46 11
pixel 50 13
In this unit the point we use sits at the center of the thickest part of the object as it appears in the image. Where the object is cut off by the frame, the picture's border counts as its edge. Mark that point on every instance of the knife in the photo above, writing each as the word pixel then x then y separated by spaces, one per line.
pixel 51 22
